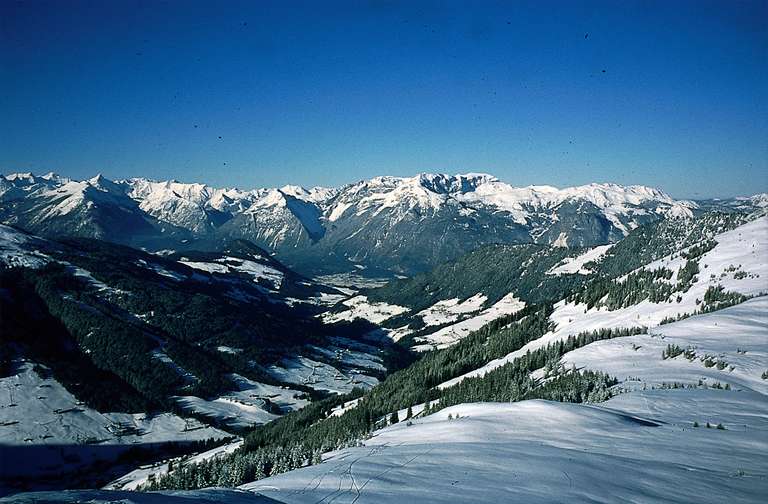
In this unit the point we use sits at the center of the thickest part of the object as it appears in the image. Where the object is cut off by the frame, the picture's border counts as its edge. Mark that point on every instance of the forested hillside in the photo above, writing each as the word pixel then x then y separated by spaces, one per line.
pixel 160 327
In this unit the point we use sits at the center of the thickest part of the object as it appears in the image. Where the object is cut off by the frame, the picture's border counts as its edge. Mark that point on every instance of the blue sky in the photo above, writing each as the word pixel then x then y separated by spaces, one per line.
pixel 671 94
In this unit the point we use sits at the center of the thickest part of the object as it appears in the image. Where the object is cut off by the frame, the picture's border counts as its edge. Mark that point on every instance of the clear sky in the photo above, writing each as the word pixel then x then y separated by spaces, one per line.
pixel 671 94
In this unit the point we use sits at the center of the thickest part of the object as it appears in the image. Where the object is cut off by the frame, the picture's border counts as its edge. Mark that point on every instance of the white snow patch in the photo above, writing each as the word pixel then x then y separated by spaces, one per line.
pixel 449 310
pixel 360 307
pixel 575 265
pixel 449 335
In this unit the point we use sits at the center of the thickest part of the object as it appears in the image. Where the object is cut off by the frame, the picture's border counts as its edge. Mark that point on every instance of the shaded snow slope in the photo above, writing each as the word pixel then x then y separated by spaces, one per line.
pixel 139 476
pixel 218 495
pixel 18 249
pixel 253 404
pixel 36 410
pixel 49 434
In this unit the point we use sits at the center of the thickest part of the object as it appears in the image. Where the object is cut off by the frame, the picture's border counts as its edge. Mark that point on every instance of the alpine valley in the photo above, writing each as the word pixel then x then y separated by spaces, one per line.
pixel 436 338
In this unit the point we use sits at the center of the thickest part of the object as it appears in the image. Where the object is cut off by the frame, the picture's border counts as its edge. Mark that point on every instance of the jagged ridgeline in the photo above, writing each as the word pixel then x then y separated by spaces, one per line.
pixel 384 225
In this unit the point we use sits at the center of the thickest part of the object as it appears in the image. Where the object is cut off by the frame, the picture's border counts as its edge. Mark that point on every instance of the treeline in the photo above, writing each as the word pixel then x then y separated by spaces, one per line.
pixel 715 298
pixel 513 382
pixel 196 312
pixel 28 325
pixel 99 350
pixel 654 285
pixel 120 321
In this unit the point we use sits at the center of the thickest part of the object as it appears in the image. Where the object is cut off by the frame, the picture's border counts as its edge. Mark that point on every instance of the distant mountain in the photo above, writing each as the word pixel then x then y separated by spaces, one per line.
pixel 382 225
pixel 738 204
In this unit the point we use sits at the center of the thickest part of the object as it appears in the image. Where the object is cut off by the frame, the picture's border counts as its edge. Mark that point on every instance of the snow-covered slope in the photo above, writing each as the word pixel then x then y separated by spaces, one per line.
pixel 683 428
pixel 637 447
pixel 729 346
pixel 20 249
pixel 453 331
pixel 49 434
pixel 359 307
pixel 208 496
pixel 539 451
pixel 37 410
pixel 651 443
pixel 137 477
pixel 576 265
pixel 737 263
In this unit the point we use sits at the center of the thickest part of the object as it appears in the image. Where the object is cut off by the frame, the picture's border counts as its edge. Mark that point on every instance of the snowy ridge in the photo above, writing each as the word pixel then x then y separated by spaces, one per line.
pixel 745 246
pixel 736 336
pixel 431 191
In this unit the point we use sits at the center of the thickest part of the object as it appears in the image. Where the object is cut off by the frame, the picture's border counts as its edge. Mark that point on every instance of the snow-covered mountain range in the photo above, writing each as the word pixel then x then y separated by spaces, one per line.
pixel 393 224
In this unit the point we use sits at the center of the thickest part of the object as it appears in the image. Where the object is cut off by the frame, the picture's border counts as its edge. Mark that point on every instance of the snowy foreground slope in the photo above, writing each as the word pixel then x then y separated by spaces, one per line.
pixel 640 446
pixel 217 495
pixel 539 451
